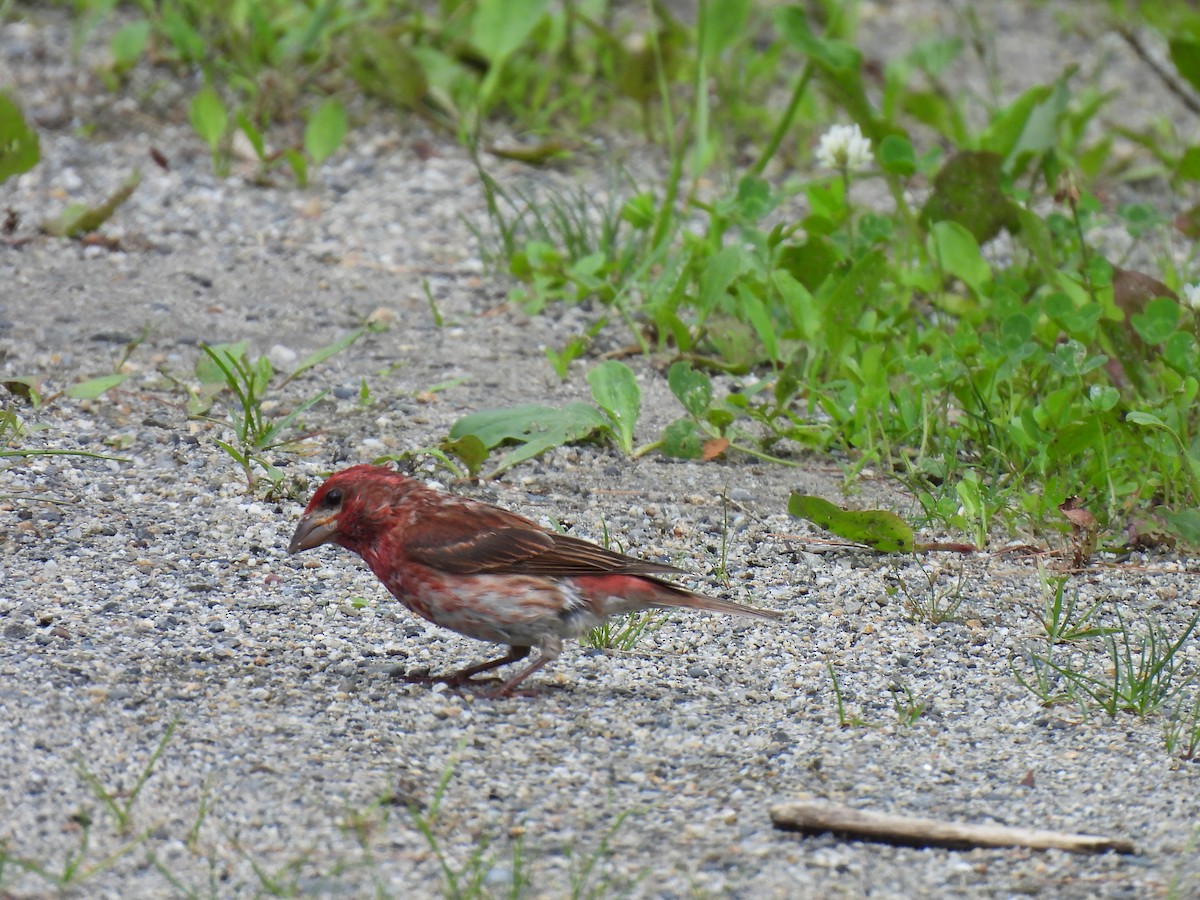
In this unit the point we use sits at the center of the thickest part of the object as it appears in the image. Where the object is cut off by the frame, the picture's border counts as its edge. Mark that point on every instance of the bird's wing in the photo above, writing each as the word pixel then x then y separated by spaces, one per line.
pixel 483 539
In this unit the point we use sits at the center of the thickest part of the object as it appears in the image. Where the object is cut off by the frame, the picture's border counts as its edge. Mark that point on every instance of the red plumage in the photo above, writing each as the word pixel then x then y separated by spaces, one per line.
pixel 483 571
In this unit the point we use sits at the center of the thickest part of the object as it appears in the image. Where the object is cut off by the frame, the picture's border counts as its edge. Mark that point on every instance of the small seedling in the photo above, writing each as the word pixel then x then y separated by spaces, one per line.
pixel 1061 620
pixel 1181 732
pixel 121 811
pixel 465 880
pixel 227 367
pixel 929 602
pixel 76 869
pixel 587 882
pixel 844 719
pixel 1043 678
pixel 1140 673
pixel 624 632
pixel 908 708
pixel 255 431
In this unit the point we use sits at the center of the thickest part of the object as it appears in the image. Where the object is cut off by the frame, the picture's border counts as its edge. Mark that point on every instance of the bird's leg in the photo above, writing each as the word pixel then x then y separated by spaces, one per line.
pixel 462 676
pixel 548 650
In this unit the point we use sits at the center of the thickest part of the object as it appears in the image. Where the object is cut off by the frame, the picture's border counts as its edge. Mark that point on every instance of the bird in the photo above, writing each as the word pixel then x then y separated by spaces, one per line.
pixel 484 571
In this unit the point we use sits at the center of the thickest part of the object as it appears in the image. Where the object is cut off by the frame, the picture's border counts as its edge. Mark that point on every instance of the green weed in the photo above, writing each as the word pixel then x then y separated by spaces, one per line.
pixel 844 718
pixel 1141 669
pixel 256 431
pixel 78 867
pixel 623 632
pixel 1062 619
pixel 925 599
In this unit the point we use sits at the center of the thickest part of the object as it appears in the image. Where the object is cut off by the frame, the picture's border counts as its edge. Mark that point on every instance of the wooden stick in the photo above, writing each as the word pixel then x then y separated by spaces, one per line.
pixel 814 818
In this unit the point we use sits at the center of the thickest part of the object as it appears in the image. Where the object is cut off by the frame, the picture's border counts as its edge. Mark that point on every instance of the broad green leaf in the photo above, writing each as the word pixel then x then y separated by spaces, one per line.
pixel 535 154
pixel 19 151
pixel 878 529
pixel 575 422
pixel 1079 321
pixel 78 219
pixel 802 311
pixel 970 494
pixel 386 68
pixel 615 390
pixel 640 211
pixel 827 207
pixel 1002 134
pixel 94 387
pixel 208 117
pixel 756 311
pixel 726 22
pixel 298 164
pixel 810 262
pixel 754 199
pixel 857 287
pixel 468 448
pixel 325 130
pixel 1071 359
pixel 1189 164
pixel 722 268
pixel 682 440
pixel 207 369
pixel 1103 397
pixel 1182 353
pixel 501 26
pixel 1148 419
pixel 692 388
pixel 956 250
pixel 896 155
pixel 520 423
pixel 1040 131
pixel 1185 54
pixel 1186 524
pixel 128 43
pixel 1158 322
pixel 253 135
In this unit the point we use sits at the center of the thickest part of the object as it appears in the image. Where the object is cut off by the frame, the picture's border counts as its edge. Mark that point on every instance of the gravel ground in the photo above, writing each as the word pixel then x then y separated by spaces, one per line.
pixel 155 590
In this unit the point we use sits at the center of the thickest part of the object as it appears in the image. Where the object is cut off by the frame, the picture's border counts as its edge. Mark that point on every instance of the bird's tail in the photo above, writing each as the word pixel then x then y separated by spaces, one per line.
pixel 645 592
pixel 676 596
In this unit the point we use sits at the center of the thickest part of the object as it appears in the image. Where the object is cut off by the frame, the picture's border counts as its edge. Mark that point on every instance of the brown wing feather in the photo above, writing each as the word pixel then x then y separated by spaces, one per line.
pixel 491 540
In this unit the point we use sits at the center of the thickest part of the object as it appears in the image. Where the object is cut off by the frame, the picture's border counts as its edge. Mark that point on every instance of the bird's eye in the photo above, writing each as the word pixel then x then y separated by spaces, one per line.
pixel 332 499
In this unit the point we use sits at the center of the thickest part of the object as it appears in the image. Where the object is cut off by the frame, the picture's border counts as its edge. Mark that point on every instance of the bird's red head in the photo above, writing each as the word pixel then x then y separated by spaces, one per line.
pixel 351 508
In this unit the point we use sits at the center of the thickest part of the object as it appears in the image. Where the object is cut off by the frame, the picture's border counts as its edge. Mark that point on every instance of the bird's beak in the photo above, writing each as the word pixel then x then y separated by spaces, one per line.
pixel 313 531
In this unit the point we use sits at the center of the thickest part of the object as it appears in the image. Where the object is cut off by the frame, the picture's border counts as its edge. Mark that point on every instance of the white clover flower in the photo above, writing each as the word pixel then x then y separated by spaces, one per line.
pixel 1191 296
pixel 844 148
